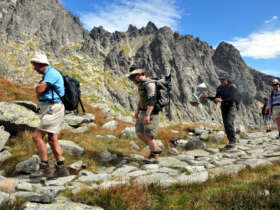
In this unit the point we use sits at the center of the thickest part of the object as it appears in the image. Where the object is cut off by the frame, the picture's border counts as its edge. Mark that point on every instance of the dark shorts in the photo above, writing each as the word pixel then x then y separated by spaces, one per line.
pixel 150 129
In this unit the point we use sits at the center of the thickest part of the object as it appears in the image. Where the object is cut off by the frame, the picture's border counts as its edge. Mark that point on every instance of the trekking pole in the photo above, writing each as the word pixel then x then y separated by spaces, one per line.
pixel 169 97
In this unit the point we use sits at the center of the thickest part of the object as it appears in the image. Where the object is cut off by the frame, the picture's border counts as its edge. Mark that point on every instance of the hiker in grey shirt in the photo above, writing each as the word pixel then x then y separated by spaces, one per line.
pixel 274 103
pixel 146 114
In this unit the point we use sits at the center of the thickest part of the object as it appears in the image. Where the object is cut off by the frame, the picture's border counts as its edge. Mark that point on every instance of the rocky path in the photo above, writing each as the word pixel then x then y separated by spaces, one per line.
pixel 188 167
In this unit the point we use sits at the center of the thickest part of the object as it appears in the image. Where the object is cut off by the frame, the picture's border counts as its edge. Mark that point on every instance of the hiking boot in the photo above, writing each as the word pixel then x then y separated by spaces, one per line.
pixel 153 157
pixel 228 147
pixel 44 171
pixel 60 171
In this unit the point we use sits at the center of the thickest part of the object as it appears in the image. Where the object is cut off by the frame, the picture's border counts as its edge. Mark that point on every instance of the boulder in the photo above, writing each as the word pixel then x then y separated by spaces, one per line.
pixel 111 125
pixel 129 132
pixel 217 137
pixel 17 118
pixel 4 155
pixel 76 121
pixel 4 136
pixel 29 105
pixel 198 130
pixel 195 144
pixel 28 166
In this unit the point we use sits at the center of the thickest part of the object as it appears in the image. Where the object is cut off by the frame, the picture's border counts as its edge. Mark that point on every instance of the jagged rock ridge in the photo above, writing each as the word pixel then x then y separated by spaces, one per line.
pixel 159 50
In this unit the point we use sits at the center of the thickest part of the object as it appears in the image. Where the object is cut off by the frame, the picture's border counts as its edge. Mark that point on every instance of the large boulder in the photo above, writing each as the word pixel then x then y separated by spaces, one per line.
pixel 29 105
pixel 16 118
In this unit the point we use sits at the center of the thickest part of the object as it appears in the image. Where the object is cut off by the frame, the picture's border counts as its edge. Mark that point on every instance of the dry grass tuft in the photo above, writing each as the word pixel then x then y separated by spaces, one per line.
pixel 13 91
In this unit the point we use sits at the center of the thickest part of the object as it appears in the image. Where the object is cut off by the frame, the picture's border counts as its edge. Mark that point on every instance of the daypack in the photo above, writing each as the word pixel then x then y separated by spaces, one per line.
pixel 72 96
pixel 163 91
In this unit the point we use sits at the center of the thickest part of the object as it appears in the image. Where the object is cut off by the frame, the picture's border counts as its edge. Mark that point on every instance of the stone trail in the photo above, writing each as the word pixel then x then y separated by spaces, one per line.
pixel 187 167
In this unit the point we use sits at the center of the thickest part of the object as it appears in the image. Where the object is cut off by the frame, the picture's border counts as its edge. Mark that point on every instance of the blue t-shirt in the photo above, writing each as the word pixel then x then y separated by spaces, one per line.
pixel 54 78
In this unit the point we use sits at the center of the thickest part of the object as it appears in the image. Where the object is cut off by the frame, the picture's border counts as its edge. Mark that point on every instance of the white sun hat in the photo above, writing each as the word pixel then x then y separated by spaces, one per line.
pixel 40 58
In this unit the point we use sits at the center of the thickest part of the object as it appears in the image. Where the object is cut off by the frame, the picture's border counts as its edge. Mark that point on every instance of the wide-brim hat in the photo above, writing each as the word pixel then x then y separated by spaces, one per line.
pixel 40 58
pixel 135 71
pixel 275 82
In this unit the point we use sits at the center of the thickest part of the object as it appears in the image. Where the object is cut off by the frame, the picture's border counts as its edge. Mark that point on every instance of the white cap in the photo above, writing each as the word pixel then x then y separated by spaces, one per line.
pixel 275 82
pixel 40 58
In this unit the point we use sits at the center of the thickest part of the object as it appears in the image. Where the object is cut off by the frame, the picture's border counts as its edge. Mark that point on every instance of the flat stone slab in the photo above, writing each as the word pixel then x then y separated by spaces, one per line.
pixel 157 178
pixel 59 205
pixel 193 178
pixel 228 169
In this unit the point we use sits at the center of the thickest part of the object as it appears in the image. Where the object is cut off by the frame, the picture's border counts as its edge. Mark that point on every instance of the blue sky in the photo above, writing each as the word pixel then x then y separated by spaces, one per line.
pixel 252 26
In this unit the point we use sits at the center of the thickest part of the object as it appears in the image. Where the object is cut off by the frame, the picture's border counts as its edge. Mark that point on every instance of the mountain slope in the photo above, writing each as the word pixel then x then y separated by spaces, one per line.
pixel 99 59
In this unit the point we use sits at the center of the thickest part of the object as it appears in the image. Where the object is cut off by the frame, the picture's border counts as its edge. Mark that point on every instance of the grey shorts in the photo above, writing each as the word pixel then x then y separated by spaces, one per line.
pixel 51 118
pixel 275 113
pixel 150 129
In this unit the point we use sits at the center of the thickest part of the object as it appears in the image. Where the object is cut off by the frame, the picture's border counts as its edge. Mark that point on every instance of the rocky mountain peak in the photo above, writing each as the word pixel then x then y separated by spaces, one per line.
pixel 227 57
pixel 100 58
pixel 150 28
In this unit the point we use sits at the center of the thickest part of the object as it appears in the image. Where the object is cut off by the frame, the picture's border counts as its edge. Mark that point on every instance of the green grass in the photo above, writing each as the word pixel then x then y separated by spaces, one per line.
pixel 17 204
pixel 242 191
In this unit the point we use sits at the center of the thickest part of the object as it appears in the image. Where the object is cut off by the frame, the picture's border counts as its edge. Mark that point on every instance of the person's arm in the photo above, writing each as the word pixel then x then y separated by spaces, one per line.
pixel 41 88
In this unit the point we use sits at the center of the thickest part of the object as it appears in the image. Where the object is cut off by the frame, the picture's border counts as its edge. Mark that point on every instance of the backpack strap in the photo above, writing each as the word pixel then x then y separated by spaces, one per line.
pixel 82 106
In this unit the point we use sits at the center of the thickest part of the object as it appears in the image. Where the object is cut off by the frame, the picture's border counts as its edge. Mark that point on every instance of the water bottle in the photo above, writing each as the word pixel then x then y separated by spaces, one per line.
pixel 50 110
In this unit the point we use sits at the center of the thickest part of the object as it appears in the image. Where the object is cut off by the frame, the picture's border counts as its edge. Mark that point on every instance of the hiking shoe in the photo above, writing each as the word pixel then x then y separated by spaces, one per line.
pixel 44 171
pixel 154 154
pixel 228 147
pixel 60 171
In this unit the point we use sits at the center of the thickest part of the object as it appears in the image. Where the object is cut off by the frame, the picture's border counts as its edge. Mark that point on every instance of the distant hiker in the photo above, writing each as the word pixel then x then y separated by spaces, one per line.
pixel 274 103
pixel 266 116
pixel 51 118
pixel 227 95
pixel 146 114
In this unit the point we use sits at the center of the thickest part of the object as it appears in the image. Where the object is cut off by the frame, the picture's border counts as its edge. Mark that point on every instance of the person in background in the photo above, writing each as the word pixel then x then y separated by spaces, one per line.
pixel 227 95
pixel 266 116
pixel 274 103
pixel 51 118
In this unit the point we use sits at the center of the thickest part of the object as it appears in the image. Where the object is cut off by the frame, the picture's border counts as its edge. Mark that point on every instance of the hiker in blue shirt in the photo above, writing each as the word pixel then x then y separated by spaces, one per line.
pixel 51 118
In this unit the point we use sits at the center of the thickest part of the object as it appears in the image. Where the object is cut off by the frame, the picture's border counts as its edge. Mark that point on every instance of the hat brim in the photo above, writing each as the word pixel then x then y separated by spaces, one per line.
pixel 38 61
pixel 136 71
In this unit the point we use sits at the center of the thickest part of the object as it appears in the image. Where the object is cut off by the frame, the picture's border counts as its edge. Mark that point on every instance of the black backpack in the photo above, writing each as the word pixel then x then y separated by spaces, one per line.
pixel 72 96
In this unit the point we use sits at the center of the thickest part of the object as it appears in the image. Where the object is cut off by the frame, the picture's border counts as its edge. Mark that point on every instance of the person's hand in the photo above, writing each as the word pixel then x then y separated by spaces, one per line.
pixel 218 100
pixel 147 119
pixel 268 110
